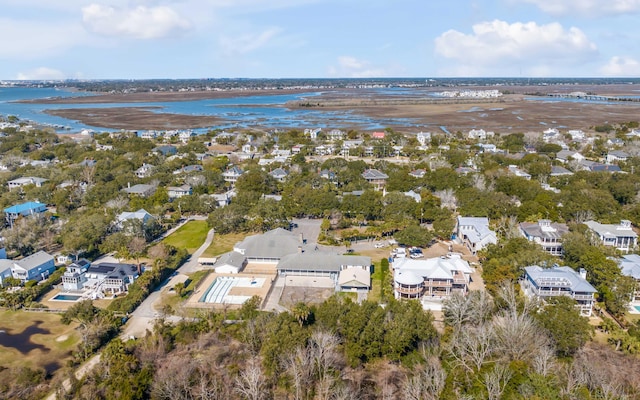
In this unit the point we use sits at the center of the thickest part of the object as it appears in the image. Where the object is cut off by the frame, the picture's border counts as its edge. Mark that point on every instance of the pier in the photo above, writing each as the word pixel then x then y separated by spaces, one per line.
pixel 591 97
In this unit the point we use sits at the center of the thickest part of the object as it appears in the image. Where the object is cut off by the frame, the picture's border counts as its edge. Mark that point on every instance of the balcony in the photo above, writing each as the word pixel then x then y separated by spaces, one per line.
pixel 409 290
pixel 438 284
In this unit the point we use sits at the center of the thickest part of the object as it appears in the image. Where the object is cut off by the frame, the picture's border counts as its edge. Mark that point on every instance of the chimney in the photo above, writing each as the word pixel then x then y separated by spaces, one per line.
pixel 583 273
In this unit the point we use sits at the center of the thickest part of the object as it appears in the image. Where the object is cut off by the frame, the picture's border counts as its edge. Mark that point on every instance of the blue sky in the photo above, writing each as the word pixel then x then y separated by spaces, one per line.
pixel 137 39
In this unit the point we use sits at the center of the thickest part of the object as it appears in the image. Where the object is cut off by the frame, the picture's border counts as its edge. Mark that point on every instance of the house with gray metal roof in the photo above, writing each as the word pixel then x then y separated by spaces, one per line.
pixel 230 263
pixel 27 180
pixel 474 232
pixel 377 178
pixel 38 266
pixel 544 283
pixel 270 246
pixel 141 189
pixel 621 236
pixel 545 233
pixel 630 266
pixel 431 278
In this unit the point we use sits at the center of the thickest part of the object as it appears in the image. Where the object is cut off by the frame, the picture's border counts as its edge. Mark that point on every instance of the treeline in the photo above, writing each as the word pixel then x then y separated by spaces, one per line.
pixel 489 348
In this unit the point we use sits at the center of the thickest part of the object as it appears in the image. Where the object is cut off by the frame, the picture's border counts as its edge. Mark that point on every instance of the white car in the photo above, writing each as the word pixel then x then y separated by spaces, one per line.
pixel 378 245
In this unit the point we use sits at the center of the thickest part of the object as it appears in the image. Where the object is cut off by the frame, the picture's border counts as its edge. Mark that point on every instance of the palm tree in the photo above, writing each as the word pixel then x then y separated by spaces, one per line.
pixel 301 312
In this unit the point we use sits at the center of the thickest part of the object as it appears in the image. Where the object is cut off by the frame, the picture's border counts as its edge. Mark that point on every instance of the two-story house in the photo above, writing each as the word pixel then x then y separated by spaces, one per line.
pixel 544 283
pixel 545 233
pixel 474 233
pixel 621 236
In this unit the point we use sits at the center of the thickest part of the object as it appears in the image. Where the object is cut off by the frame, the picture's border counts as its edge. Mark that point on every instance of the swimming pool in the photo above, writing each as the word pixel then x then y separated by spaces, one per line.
pixel 66 297
pixel 637 308
pixel 219 290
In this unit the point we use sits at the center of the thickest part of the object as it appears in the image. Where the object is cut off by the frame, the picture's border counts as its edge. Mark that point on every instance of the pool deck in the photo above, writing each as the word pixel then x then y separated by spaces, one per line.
pixel 194 299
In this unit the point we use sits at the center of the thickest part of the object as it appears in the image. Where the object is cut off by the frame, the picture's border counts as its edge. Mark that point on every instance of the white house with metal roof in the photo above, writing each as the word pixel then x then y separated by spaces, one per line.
pixel 377 178
pixel 544 283
pixel 621 236
pixel 630 266
pixel 474 232
pixel 24 181
pixel 435 278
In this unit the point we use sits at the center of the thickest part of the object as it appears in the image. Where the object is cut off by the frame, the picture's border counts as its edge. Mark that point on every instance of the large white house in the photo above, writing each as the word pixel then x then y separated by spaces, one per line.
pixel 474 232
pixel 435 278
pixel 544 283
pixel 620 236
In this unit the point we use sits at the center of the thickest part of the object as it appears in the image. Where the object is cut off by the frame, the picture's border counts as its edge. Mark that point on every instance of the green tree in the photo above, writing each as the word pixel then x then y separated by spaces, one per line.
pixel 568 330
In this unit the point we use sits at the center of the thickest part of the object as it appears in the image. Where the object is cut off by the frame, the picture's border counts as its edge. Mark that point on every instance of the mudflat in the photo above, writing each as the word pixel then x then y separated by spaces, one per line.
pixel 516 111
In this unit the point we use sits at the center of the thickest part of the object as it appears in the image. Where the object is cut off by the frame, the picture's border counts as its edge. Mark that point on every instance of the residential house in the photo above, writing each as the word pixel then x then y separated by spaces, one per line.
pixel 474 233
pixel 113 277
pixel 378 135
pixel 545 233
pixel 37 266
pixel 74 276
pixel 518 172
pixel 376 178
pixel 599 167
pixel 232 174
pixel 545 283
pixel 279 174
pixel 5 270
pixel 329 175
pixel 432 278
pixel 335 135
pixel 24 210
pixel 615 156
pixel 141 215
pixel 312 133
pixel 630 266
pixel 149 134
pixel 145 171
pixel 187 169
pixel 368 151
pixel 564 156
pixel 620 236
pixel 414 195
pixel 559 171
pixel 271 246
pixel 141 189
pixel 103 147
pixel 418 173
pixel 223 199
pixel 27 180
pixel 351 273
pixel 424 138
pixel 175 192
pixel 487 148
pixel 477 134
pixel 296 149
pixel 166 150
pixel 577 135
pixel 616 142
pixel 324 150
pixel 185 136
pixel 551 135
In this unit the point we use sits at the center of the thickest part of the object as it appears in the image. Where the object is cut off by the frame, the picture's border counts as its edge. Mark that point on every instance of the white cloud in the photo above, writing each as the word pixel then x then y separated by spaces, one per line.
pixel 351 67
pixel 41 73
pixel 593 8
pixel 140 22
pixel 621 66
pixel 498 45
pixel 248 42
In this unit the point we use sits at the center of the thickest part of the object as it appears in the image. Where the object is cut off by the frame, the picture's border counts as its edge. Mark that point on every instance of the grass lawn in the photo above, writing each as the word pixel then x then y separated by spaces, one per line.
pixel 223 244
pixel 47 343
pixel 189 236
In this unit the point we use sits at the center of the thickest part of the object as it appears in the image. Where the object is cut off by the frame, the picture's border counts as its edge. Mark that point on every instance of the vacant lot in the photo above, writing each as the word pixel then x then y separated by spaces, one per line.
pixel 35 340
pixel 222 244
pixel 189 236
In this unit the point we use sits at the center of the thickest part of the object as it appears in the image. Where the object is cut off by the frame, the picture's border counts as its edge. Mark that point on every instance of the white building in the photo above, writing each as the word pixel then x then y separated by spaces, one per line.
pixel 544 283
pixel 474 232
pixel 620 236
pixel 430 278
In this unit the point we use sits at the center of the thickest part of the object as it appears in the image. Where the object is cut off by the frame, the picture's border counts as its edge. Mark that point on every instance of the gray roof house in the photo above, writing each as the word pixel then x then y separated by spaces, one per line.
pixel 474 232
pixel 620 236
pixel 377 178
pixel 24 181
pixel 544 283
pixel 545 233
pixel 271 246
pixel 617 156
pixel 141 189
pixel 630 266
pixel 37 267
pixel 279 174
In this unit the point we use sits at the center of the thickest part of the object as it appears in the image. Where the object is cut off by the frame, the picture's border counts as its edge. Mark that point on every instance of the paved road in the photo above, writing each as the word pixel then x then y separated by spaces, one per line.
pixel 143 316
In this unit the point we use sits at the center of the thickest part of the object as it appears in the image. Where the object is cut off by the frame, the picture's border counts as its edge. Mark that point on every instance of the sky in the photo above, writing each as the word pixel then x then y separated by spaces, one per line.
pixel 175 39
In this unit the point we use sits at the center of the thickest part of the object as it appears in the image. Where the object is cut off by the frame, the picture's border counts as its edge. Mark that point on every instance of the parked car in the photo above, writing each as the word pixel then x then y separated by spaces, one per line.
pixel 378 245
